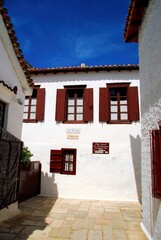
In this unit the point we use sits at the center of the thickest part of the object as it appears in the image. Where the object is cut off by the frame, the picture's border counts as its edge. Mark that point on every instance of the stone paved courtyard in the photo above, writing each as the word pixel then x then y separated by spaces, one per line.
pixel 62 219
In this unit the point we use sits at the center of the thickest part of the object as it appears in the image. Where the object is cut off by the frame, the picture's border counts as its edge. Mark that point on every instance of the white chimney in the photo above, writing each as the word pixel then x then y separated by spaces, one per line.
pixel 83 65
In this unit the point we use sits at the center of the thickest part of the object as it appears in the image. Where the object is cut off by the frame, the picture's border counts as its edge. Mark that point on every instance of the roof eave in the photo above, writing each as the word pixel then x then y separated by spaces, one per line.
pixel 85 69
pixel 134 19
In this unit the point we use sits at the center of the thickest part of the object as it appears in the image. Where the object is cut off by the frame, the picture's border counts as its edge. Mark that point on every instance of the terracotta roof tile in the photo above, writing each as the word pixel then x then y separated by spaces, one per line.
pixel 14 41
pixel 84 68
pixel 14 89
pixel 134 18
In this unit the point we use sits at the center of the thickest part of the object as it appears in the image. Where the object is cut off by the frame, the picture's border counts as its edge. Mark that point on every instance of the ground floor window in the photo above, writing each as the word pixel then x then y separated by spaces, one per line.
pixel 156 162
pixel 63 161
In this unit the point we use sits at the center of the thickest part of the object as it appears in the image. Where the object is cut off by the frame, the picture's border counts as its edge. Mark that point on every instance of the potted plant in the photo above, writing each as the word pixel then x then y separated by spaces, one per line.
pixel 26 157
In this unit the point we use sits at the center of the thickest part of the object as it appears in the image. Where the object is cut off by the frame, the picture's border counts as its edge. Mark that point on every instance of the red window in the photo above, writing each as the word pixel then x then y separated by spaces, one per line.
pixel 74 104
pixel 118 103
pixel 34 106
pixel 156 162
pixel 2 113
pixel 63 161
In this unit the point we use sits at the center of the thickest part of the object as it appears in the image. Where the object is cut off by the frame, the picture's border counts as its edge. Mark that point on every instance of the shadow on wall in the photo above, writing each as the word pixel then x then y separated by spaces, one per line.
pixel 136 157
pixel 48 187
pixel 35 215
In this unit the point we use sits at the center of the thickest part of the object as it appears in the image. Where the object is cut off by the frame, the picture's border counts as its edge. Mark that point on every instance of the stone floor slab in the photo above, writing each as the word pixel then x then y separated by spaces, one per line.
pixel 45 218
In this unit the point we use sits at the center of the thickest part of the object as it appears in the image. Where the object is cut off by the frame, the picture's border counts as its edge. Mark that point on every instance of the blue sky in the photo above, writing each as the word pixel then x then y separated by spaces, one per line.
pixel 55 33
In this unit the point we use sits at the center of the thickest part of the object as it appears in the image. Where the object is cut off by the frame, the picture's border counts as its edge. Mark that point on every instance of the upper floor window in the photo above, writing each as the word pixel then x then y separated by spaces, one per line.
pixel 30 106
pixel 34 106
pixel 118 103
pixel 2 113
pixel 74 104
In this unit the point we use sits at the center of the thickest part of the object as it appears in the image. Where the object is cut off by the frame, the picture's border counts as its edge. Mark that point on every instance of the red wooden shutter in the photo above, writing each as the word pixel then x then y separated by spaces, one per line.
pixel 40 107
pixel 156 162
pixel 104 105
pixel 56 161
pixel 60 105
pixel 133 104
pixel 88 104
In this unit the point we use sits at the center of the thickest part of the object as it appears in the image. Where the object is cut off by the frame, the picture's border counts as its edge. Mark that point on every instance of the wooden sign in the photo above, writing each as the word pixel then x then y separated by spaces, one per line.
pixel 100 148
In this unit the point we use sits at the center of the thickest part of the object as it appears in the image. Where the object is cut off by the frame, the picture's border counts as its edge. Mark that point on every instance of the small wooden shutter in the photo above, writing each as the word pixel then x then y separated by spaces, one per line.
pixel 56 161
pixel 60 105
pixel 156 162
pixel 40 107
pixel 133 104
pixel 104 105
pixel 88 104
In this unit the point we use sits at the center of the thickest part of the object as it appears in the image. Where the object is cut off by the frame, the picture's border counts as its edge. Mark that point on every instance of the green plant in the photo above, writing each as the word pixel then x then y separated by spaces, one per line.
pixel 25 156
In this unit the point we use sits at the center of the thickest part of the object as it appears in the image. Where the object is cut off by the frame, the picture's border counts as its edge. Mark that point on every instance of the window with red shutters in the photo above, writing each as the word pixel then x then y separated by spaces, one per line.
pixel 56 161
pixel 156 162
pixel 63 161
pixel 34 106
pixel 118 103
pixel 74 104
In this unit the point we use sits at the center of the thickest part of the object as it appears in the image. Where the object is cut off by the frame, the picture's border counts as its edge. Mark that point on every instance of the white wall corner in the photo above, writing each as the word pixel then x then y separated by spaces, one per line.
pixel 145 231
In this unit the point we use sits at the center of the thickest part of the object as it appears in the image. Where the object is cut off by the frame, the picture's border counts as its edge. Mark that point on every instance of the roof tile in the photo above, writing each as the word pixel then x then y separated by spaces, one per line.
pixel 85 68
pixel 133 21
pixel 15 44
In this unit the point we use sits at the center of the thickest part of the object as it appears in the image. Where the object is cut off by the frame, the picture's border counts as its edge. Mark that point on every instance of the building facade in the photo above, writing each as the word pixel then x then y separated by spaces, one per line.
pixel 14 85
pixel 83 124
pixel 148 35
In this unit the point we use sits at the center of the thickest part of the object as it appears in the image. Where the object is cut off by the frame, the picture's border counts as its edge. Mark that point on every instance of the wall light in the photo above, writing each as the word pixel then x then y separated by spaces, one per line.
pixel 19 101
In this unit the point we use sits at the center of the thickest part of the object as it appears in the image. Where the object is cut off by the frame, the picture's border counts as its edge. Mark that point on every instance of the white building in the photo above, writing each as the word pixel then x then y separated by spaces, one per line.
pixel 144 26
pixel 15 83
pixel 82 123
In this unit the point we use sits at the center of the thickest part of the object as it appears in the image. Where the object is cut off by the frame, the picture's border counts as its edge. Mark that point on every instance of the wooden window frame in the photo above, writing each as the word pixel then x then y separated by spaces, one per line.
pixel 155 144
pixel 57 161
pixel 30 98
pixel 74 151
pixel 132 103
pixel 118 85
pixel 62 105
pixel 76 92
pixel 40 105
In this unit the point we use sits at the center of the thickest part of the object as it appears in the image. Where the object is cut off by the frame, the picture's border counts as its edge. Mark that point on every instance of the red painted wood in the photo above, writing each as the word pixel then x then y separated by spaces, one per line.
pixel 133 104
pixel 56 161
pixel 104 108
pixel 60 105
pixel 74 152
pixel 156 162
pixel 40 108
pixel 88 104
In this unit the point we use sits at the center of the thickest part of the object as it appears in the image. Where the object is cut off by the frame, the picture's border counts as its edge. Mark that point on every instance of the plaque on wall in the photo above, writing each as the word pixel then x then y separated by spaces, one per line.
pixel 100 148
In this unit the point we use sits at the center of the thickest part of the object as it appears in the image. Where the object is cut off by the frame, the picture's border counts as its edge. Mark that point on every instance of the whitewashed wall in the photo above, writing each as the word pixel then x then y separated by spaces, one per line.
pixel 150 78
pixel 114 176
pixel 11 74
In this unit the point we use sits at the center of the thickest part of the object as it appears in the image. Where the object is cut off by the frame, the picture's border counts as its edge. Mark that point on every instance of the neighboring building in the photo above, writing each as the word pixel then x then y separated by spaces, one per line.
pixel 83 124
pixel 15 83
pixel 143 25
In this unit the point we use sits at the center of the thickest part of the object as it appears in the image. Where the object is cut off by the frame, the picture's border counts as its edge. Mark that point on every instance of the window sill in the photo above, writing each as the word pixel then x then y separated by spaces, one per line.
pixel 68 173
pixel 120 122
pixel 30 121
pixel 75 122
